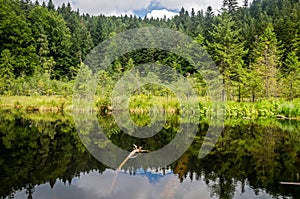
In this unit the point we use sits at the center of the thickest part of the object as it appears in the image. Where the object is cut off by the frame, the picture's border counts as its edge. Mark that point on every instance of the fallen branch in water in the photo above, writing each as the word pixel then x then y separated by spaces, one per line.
pixel 136 150
pixel 134 153
pixel 290 183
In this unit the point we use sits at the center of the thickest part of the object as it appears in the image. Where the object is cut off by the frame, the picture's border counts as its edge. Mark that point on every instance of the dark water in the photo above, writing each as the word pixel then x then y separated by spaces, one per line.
pixel 41 156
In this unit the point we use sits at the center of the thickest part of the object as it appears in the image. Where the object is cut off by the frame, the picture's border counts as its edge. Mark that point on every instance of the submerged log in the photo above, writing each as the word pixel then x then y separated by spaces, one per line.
pixel 287 118
pixel 290 183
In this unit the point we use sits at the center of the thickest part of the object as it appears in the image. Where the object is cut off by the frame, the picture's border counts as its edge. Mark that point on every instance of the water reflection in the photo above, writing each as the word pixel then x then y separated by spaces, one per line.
pixel 42 157
pixel 95 185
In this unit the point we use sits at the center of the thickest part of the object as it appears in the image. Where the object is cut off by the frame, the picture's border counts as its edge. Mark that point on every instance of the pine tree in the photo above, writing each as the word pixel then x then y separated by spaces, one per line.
pixel 80 36
pixel 292 79
pixel 50 5
pixel 245 3
pixel 130 64
pixel 26 5
pixel 208 23
pixel 193 13
pixel 230 6
pixel 266 62
pixel 227 51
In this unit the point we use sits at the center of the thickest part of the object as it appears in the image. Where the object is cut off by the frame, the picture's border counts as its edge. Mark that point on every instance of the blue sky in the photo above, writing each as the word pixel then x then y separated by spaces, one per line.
pixel 151 8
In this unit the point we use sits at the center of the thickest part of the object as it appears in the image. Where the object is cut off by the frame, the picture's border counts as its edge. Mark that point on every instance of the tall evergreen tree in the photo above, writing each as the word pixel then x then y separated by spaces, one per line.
pixel 292 78
pixel 50 5
pixel 245 3
pixel 208 23
pixel 227 50
pixel 266 62
pixel 80 36
pixel 230 6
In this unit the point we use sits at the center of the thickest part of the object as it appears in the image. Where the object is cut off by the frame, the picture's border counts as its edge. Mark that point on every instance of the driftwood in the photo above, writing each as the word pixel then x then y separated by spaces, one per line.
pixel 290 183
pixel 287 118
pixel 134 153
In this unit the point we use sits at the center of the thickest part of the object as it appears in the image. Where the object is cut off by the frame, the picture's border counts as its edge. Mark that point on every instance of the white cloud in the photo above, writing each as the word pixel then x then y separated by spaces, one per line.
pixel 196 4
pixel 119 13
pixel 115 7
pixel 94 185
pixel 106 7
pixel 161 13
pixel 187 4
pixel 109 6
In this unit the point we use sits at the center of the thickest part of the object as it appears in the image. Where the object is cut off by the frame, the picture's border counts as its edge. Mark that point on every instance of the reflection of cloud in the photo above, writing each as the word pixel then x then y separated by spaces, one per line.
pixel 126 187
pixel 249 193
pixel 161 13
pixel 94 185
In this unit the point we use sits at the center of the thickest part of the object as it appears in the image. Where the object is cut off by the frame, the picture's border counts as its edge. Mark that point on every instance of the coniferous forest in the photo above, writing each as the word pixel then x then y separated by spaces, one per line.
pixel 255 46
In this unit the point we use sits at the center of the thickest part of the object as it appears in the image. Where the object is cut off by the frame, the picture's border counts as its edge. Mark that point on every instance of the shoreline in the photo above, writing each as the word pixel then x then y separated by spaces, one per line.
pixel 279 109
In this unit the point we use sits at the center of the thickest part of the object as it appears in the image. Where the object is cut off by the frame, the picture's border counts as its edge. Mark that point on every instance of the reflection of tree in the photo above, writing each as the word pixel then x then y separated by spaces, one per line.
pixel 260 154
pixel 223 187
pixel 125 141
pixel 40 150
pixel 29 191
pixel 36 149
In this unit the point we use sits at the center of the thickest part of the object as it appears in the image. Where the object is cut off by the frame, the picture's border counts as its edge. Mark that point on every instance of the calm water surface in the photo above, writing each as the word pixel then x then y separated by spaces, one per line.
pixel 41 156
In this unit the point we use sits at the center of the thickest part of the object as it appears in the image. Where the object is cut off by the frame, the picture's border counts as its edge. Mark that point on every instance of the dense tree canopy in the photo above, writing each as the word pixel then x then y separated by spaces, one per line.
pixel 254 46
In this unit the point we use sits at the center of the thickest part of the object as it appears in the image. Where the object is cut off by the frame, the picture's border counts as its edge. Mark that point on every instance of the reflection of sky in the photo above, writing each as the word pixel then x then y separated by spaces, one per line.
pixel 98 186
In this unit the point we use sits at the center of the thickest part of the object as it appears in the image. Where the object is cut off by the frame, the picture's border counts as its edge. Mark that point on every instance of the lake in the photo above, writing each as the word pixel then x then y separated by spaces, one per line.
pixel 43 157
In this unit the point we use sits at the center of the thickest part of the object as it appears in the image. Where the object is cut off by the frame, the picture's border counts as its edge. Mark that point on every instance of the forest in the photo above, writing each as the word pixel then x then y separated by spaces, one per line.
pixel 255 47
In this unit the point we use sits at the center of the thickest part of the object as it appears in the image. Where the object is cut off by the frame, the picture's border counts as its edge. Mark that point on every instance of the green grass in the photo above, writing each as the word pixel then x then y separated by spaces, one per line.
pixel 289 108
pixel 141 104
pixel 35 103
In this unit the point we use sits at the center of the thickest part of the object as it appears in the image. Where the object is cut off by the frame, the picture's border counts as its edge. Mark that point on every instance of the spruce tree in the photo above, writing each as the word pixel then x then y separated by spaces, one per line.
pixel 208 23
pixel 50 5
pixel 227 50
pixel 266 61
pixel 292 79
pixel 230 6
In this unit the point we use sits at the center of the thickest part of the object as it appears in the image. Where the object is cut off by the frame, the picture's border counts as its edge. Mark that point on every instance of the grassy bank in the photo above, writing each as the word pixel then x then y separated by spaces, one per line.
pixel 36 103
pixel 141 104
pixel 276 108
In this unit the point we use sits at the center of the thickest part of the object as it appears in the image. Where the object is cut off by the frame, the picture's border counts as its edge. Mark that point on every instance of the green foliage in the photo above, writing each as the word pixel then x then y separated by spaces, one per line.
pixel 57 39
pixel 256 47
pixel 16 36
pixel 263 108
pixel 290 109
pixel 6 71
pixel 227 51
pixel 292 80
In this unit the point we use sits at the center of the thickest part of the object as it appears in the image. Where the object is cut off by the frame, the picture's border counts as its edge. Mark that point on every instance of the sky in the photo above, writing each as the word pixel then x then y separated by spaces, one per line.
pixel 140 8
pixel 95 185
